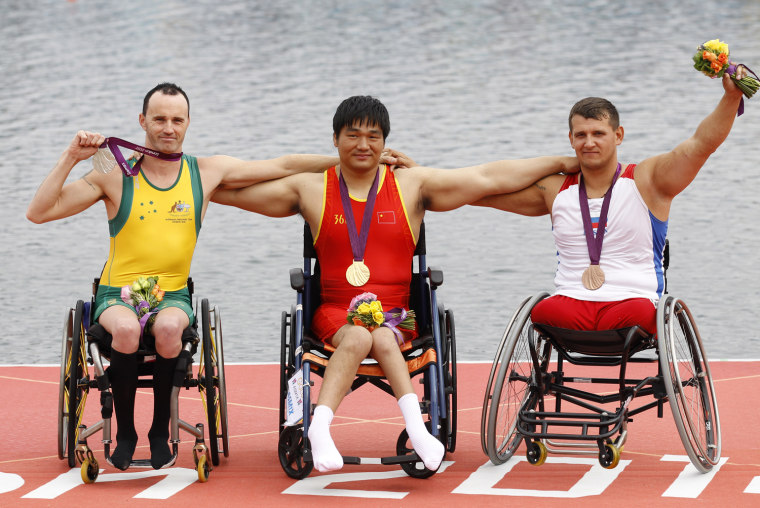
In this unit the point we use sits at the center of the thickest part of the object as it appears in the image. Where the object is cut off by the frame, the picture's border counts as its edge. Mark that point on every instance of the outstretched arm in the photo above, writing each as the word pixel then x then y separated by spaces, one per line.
pixel 53 199
pixel 276 198
pixel 443 190
pixel 236 173
pixel 532 201
pixel 666 175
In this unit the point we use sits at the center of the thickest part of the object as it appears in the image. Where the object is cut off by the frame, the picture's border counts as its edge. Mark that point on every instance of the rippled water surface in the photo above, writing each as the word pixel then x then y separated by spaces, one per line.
pixel 464 81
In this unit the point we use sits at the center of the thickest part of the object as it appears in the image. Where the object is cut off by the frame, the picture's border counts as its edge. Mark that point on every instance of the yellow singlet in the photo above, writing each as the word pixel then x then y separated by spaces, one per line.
pixel 155 230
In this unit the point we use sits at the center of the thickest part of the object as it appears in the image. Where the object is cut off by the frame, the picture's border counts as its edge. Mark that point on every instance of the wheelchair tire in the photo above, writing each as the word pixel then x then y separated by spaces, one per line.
pixel 450 380
pixel 688 383
pixel 290 451
pixel 489 386
pixel 72 393
pixel 511 389
pixel 404 447
pixel 212 382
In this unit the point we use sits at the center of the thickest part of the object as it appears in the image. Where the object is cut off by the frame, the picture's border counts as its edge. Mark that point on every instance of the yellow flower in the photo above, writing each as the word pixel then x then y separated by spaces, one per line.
pixel 375 306
pixel 363 308
pixel 717 46
pixel 378 317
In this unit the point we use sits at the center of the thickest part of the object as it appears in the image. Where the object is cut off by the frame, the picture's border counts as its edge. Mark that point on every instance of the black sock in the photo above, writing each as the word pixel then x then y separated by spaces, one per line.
pixel 123 377
pixel 163 375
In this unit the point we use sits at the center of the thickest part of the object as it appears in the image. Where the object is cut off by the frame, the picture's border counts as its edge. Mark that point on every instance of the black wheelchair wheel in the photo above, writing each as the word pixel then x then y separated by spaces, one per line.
pixel 74 386
pixel 208 373
pixel 688 383
pixel 450 381
pixel 290 450
pixel 404 447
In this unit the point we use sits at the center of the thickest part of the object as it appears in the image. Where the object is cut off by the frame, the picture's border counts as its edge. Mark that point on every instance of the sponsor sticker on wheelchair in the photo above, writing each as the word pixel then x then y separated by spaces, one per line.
pixel 294 402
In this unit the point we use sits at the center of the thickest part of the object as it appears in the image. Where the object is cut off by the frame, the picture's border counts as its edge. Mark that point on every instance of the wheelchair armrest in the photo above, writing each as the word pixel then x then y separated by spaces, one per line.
pixel 435 276
pixel 297 280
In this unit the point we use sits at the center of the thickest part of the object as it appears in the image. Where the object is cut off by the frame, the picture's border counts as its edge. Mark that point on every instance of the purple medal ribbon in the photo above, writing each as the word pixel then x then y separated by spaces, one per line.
pixel 114 143
pixel 358 241
pixel 392 322
pixel 595 244
pixel 144 319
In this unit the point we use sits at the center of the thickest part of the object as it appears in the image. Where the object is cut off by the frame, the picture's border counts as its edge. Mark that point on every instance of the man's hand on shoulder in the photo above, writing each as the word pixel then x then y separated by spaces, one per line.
pixel 396 159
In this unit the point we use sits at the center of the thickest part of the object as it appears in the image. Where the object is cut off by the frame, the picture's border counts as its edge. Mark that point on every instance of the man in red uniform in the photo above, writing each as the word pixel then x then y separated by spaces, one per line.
pixel 376 255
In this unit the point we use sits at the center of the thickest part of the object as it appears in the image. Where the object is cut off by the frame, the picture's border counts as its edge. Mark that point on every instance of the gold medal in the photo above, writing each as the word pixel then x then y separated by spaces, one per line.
pixel 357 274
pixel 593 277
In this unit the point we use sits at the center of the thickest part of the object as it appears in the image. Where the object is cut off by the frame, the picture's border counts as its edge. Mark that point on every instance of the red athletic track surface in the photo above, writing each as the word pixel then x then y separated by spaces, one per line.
pixel 653 470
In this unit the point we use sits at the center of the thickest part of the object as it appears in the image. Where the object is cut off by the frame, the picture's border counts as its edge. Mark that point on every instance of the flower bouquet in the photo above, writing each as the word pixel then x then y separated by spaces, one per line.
pixel 711 59
pixel 144 295
pixel 367 311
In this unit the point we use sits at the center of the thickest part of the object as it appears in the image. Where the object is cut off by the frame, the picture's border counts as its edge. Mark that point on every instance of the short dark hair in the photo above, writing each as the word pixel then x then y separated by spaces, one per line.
pixel 361 109
pixel 596 108
pixel 167 89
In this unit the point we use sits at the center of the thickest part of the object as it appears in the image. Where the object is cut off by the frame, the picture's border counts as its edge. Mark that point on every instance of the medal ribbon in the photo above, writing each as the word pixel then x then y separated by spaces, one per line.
pixel 595 244
pixel 358 241
pixel 113 143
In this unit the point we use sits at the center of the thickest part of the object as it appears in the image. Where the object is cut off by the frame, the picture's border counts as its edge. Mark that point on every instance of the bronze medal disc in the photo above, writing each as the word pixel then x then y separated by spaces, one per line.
pixel 357 274
pixel 593 277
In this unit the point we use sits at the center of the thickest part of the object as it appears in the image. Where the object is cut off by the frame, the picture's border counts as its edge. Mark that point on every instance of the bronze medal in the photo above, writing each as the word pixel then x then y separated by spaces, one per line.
pixel 593 277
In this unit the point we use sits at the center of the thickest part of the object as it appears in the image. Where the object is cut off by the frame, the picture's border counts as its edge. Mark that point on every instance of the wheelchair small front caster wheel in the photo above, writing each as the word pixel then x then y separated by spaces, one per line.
pixel 203 469
pixel 89 470
pixel 536 453
pixel 610 456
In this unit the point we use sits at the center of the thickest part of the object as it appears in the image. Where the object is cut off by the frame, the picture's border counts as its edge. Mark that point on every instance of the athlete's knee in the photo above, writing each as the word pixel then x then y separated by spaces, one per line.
pixel 384 344
pixel 126 334
pixel 355 340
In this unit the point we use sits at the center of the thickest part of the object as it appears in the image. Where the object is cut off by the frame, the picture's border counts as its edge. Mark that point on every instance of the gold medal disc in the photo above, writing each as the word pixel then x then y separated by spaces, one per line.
pixel 593 277
pixel 357 274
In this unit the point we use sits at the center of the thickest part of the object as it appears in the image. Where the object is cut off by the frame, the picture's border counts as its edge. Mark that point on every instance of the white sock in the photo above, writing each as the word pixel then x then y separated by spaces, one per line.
pixel 325 455
pixel 428 448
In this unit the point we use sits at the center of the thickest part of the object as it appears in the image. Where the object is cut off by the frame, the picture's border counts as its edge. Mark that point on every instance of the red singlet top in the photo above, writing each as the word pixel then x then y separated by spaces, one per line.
pixel 389 252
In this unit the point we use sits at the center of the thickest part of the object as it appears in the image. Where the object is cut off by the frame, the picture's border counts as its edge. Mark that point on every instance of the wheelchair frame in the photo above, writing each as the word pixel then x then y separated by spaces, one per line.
pixel 520 381
pixel 79 351
pixel 436 325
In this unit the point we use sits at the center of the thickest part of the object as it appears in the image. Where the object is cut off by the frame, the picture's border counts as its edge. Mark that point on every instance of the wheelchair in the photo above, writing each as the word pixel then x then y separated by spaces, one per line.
pixel 524 379
pixel 85 346
pixel 432 356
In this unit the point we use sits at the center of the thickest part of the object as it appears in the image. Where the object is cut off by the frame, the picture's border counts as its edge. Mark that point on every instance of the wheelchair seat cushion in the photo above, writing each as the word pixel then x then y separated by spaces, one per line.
pixel 596 342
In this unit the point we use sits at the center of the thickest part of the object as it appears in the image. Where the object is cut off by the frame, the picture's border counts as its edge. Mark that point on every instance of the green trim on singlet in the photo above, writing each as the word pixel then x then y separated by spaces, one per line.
pixel 125 207
pixel 197 185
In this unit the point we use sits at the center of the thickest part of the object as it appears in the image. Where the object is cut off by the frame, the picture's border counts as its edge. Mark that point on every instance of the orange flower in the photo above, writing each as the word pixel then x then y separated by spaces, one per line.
pixel 155 290
pixel 709 55
pixel 722 58
pixel 160 296
pixel 358 322
pixel 716 66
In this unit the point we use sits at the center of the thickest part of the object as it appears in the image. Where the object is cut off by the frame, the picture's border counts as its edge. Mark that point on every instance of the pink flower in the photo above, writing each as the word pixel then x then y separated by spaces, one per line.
pixel 361 298
pixel 126 294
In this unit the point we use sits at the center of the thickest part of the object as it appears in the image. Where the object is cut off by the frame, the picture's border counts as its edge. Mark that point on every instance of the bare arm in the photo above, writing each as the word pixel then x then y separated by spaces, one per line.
pixel 664 176
pixel 443 190
pixel 236 173
pixel 276 198
pixel 53 199
pixel 532 201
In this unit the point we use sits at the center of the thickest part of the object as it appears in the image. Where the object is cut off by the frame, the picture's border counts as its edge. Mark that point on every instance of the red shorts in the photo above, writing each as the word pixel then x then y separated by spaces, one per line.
pixel 329 318
pixel 566 312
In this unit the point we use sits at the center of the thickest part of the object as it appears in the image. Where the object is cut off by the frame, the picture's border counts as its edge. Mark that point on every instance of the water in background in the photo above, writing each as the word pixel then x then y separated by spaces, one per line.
pixel 465 82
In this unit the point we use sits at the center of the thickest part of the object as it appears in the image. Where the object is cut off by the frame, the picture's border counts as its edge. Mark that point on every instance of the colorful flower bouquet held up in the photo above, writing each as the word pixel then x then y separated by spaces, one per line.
pixel 144 295
pixel 711 59
pixel 367 311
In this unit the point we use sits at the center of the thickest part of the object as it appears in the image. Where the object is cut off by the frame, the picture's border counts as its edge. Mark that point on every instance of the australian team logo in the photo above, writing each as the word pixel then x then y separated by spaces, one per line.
pixel 179 212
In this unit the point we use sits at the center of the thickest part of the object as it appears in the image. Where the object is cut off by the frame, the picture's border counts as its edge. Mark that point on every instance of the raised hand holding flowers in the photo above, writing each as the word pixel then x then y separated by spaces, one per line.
pixel 712 59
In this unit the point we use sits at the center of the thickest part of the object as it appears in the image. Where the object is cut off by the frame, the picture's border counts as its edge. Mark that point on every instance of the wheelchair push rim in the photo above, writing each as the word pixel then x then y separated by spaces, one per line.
pixel 212 382
pixel 72 393
pixel 511 393
pixel 491 376
pixel 688 383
